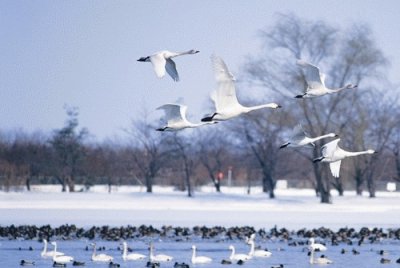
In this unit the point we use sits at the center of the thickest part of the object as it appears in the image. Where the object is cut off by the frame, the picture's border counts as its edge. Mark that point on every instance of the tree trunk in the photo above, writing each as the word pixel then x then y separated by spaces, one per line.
pixel 322 183
pixel 28 183
pixel 149 183
pixel 371 187
pixel 71 183
pixel 217 185
pixel 359 182
pixel 338 184
pixel 189 188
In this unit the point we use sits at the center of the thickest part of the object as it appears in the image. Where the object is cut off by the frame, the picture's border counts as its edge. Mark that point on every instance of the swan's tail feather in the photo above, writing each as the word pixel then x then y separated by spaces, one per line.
pixel 284 145
pixel 319 159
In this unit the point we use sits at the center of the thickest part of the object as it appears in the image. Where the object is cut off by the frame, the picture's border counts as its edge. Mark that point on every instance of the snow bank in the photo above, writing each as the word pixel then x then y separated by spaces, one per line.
pixel 292 208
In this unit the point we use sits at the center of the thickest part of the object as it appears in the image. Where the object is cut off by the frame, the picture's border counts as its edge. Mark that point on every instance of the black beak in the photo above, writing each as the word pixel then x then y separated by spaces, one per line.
pixel 336 135
pixel 279 106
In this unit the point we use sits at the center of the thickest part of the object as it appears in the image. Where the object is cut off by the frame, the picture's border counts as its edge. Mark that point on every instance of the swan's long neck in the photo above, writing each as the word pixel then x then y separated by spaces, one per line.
pixel 349 154
pixel 321 137
pixel 176 54
pixel 44 247
pixel 124 252
pixel 257 107
pixel 312 256
pixel 94 251
pixel 233 252
pixel 151 256
pixel 252 246
pixel 194 253
pixel 340 88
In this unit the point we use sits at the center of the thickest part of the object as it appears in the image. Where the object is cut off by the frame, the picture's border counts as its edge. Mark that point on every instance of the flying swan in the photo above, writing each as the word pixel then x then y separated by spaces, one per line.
pixel 224 97
pixel 300 138
pixel 316 82
pixel 334 155
pixel 162 61
pixel 175 114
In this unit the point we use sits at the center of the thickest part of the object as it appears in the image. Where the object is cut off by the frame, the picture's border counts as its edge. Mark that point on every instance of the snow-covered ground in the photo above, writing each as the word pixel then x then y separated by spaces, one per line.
pixel 292 208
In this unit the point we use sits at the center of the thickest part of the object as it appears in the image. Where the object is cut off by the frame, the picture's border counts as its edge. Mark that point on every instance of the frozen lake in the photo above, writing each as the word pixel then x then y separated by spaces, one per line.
pixel 289 256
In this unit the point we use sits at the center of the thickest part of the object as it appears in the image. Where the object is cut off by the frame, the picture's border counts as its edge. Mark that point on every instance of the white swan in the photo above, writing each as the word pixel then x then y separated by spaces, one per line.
pixel 159 257
pixel 162 61
pixel 319 260
pixel 300 138
pixel 258 252
pixel 316 82
pixel 130 256
pixel 224 97
pixel 63 259
pixel 237 257
pixel 46 254
pixel 100 257
pixel 199 259
pixel 334 155
pixel 175 114
pixel 316 246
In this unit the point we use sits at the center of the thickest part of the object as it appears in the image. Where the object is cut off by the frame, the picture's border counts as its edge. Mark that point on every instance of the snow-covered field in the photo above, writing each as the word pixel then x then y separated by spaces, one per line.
pixel 292 208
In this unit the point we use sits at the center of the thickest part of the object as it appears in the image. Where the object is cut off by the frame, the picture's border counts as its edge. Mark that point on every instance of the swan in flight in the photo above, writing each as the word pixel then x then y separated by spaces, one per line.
pixel 300 138
pixel 50 254
pixel 63 259
pixel 175 115
pixel 130 256
pixel 316 82
pixel 258 252
pixel 162 61
pixel 158 257
pixel 316 246
pixel 334 155
pixel 100 257
pixel 238 257
pixel 224 97
pixel 319 260
pixel 199 259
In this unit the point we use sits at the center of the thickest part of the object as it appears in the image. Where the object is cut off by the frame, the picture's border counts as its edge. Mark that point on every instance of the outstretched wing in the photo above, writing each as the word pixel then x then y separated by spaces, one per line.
pixel 170 66
pixel 312 74
pixel 174 112
pixel 298 134
pixel 329 149
pixel 225 94
pixel 158 62
pixel 335 168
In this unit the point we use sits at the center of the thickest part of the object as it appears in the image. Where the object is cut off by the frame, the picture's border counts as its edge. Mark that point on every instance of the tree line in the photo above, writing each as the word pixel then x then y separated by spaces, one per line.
pixel 367 117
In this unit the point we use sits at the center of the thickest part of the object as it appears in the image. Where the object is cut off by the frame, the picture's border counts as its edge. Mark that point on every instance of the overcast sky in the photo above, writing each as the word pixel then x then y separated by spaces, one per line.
pixel 83 53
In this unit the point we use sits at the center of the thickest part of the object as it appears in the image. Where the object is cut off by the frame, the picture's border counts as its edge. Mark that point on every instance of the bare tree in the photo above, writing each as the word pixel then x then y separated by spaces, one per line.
pixel 148 152
pixel 67 143
pixel 214 154
pixel 292 38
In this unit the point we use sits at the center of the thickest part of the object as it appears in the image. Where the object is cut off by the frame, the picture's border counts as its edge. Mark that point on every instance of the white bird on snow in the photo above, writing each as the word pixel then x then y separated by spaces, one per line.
pixel 162 61
pixel 334 155
pixel 300 138
pixel 316 82
pixel 175 114
pixel 224 97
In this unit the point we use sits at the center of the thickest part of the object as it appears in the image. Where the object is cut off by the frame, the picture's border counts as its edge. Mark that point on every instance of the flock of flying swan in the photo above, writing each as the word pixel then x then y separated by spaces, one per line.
pixel 227 105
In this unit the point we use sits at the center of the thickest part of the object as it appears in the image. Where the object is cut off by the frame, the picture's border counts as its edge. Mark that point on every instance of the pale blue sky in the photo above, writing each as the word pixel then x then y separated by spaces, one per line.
pixel 83 53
